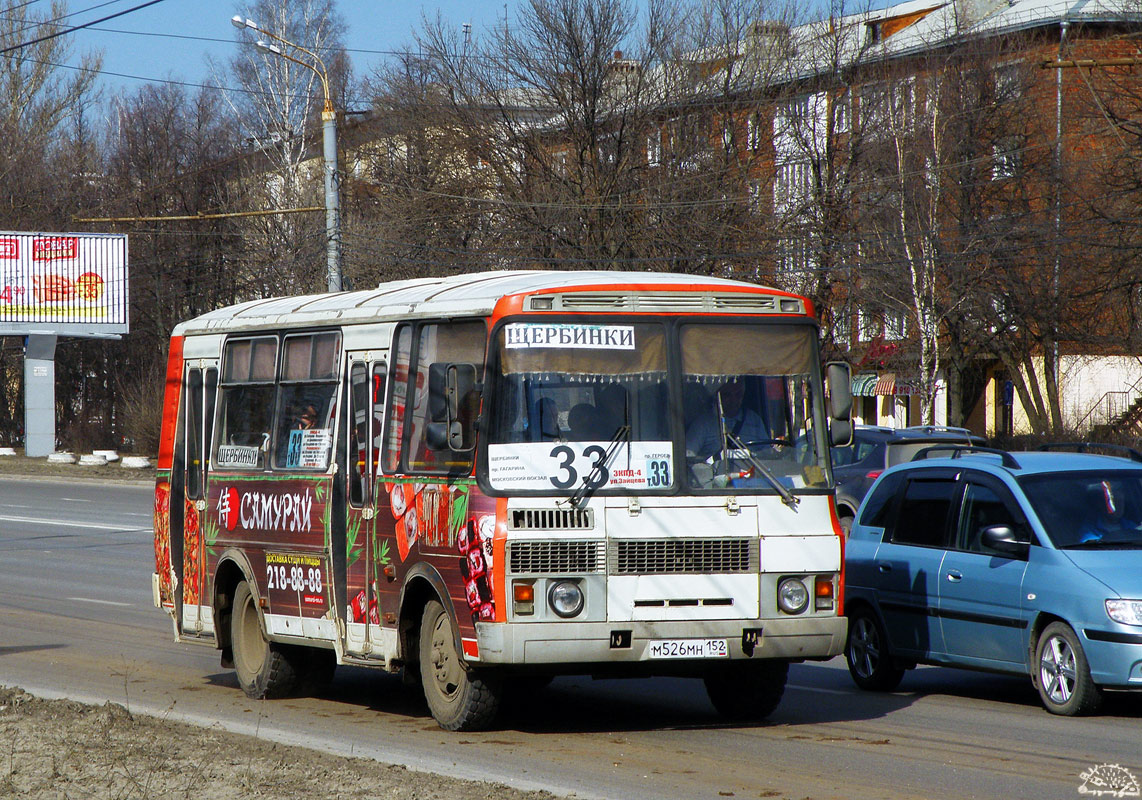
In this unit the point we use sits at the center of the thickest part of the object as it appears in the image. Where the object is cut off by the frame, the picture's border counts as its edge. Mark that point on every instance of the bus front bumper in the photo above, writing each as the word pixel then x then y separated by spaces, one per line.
pixel 570 643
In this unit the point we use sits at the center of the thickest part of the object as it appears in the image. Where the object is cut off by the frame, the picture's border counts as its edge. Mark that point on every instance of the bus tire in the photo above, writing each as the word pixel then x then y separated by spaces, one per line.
pixel 459 698
pixel 265 670
pixel 748 691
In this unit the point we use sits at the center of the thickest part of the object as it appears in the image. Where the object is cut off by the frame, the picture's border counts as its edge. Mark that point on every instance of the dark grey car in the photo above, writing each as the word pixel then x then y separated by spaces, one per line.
pixel 875 449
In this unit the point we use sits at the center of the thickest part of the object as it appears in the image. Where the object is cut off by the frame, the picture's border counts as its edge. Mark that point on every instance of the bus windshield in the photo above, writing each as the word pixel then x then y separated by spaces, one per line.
pixel 596 406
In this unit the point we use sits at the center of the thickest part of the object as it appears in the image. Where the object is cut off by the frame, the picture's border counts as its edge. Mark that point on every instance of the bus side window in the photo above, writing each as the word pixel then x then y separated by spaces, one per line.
pixel 193 430
pixel 305 411
pixel 456 343
pixel 380 374
pixel 398 399
pixel 246 403
pixel 360 411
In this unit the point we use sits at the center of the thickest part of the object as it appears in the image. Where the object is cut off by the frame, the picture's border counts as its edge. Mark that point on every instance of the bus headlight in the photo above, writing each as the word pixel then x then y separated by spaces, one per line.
pixel 565 598
pixel 792 595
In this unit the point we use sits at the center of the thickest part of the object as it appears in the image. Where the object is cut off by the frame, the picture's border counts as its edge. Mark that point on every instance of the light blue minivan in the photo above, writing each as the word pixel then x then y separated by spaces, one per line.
pixel 1027 563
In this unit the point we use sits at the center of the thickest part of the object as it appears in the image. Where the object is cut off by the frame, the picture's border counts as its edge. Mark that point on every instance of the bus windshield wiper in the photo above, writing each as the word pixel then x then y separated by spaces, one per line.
pixel 592 480
pixel 787 496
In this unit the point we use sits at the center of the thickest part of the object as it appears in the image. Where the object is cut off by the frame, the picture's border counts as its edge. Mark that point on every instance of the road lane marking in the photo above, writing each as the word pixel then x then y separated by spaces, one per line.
pixel 71 524
pixel 100 602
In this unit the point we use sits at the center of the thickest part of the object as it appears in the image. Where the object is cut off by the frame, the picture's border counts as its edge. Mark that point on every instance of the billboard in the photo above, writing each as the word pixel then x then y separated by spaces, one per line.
pixel 70 284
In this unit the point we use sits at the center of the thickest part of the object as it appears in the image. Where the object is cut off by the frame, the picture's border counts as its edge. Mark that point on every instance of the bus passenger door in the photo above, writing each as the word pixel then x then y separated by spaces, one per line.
pixel 365 393
pixel 200 383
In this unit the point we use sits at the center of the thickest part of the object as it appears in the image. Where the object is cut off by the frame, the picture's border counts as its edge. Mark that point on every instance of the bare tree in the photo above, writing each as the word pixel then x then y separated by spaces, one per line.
pixel 277 109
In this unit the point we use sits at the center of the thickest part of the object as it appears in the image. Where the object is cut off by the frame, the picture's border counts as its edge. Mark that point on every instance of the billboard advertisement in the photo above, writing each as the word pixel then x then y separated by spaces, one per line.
pixel 63 283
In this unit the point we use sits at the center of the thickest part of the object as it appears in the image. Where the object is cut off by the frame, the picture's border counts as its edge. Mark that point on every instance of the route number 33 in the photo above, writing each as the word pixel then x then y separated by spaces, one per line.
pixel 596 473
pixel 591 470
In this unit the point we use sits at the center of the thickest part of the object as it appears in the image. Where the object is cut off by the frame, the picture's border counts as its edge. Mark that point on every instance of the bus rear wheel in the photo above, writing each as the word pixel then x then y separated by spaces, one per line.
pixel 265 669
pixel 747 691
pixel 460 699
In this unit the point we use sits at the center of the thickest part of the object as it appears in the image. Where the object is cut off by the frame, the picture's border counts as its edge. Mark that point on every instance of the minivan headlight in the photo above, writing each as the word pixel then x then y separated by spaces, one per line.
pixel 1128 612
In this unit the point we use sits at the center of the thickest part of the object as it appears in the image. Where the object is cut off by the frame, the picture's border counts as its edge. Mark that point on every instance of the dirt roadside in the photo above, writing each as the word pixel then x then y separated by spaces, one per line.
pixel 64 750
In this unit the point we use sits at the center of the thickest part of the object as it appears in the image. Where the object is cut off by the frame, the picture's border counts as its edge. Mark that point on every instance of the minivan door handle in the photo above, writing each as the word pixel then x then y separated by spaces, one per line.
pixel 955 576
pixel 884 566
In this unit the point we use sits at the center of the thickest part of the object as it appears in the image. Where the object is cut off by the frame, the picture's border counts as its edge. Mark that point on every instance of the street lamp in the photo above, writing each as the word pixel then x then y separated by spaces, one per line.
pixel 329 135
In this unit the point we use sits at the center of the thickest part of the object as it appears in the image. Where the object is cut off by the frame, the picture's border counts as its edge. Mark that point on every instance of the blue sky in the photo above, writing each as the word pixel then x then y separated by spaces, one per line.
pixel 170 40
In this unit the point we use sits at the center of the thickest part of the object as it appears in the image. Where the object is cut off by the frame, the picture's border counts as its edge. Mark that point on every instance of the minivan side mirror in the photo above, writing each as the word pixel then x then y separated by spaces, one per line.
pixel 1003 539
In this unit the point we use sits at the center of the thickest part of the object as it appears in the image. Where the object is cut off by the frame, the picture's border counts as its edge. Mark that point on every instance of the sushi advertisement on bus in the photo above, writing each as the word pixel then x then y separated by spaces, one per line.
pixel 64 281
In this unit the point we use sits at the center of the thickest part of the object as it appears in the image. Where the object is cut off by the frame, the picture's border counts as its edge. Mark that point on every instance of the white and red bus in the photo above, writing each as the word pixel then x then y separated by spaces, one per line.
pixel 487 477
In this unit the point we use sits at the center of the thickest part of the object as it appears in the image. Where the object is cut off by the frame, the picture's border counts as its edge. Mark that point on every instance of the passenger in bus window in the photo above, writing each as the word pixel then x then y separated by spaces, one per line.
pixel 307 419
pixel 703 439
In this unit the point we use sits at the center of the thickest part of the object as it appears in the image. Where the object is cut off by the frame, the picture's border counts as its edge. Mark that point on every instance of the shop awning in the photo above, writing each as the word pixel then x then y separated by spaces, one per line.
pixel 872 384
pixel 863 384
pixel 885 385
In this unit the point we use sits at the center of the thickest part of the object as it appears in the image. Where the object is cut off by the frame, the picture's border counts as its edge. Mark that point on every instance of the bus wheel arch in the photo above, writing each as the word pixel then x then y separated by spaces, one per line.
pixel 422 584
pixel 233 568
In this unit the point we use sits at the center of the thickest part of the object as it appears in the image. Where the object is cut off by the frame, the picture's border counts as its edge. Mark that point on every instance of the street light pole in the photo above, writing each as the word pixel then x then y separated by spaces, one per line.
pixel 329 141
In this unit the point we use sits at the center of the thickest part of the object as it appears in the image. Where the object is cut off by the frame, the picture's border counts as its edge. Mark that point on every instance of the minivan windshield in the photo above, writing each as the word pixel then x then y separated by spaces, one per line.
pixel 598 405
pixel 1088 510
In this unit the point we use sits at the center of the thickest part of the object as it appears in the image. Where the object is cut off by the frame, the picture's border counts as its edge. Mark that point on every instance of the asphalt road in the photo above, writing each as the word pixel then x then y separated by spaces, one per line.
pixel 76 620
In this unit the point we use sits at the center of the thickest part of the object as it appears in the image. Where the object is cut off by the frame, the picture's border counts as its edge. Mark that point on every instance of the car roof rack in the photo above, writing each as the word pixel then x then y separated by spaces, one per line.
pixel 958 450
pixel 1085 447
pixel 938 429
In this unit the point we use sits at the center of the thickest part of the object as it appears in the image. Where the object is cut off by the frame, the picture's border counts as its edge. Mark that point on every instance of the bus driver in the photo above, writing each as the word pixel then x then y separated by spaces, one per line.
pixel 704 437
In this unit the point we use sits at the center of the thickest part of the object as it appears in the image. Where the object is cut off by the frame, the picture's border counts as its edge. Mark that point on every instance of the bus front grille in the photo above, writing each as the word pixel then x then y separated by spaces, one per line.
pixel 556 558
pixel 551 519
pixel 682 556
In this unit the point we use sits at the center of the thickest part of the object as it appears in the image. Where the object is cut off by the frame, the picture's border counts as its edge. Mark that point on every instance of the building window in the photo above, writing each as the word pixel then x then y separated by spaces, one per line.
pixel 842 114
pixel 1008 82
pixel 887 106
pixel 754 199
pixel 794 260
pixel 895 325
pixel 793 182
pixel 1006 158
pixel 842 326
pixel 868 325
pixel 753 132
pixel 654 149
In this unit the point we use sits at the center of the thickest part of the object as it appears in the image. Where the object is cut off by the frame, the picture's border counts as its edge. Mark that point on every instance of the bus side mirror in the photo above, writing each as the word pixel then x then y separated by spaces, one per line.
pixel 839 378
pixel 450 388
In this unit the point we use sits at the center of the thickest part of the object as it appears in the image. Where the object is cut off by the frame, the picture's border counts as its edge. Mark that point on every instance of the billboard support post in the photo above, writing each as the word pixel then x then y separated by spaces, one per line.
pixel 39 395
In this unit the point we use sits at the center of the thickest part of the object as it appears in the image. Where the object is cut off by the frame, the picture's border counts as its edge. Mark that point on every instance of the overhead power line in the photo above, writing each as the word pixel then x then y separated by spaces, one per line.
pixel 220 215
pixel 79 27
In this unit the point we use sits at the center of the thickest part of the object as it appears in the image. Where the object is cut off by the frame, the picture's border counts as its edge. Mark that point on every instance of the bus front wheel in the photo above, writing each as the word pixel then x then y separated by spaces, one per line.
pixel 747 691
pixel 460 699
pixel 265 669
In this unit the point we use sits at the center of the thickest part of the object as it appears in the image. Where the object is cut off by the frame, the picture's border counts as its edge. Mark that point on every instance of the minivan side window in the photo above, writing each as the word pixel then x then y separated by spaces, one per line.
pixel 923 517
pixel 879 506
pixel 982 508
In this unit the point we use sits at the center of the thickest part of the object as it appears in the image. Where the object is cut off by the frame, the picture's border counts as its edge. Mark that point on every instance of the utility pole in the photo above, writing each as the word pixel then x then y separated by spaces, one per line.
pixel 329 141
